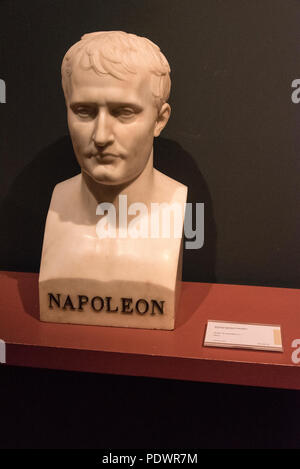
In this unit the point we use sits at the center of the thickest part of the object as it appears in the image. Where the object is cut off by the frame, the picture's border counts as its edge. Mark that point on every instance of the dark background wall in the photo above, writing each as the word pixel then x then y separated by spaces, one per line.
pixel 233 138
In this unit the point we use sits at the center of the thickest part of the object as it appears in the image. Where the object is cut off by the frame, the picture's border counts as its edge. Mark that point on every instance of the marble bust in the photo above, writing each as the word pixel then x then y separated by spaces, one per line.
pixel 103 260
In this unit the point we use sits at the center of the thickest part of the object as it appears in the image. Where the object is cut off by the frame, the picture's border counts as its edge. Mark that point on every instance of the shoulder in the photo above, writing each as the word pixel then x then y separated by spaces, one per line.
pixel 65 189
pixel 168 189
pixel 65 196
pixel 68 186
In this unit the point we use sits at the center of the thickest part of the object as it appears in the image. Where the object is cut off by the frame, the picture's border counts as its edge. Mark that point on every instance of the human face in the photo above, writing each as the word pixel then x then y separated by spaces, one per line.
pixel 112 123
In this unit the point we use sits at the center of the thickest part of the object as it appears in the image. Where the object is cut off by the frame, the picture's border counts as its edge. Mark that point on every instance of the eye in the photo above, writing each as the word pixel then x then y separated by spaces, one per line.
pixel 124 112
pixel 84 112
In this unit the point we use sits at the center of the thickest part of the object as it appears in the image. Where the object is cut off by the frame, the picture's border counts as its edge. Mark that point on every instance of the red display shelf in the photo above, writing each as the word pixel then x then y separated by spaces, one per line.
pixel 177 354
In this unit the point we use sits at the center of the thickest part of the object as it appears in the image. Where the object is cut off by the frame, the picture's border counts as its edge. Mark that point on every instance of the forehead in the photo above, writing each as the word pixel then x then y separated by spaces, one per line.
pixel 88 86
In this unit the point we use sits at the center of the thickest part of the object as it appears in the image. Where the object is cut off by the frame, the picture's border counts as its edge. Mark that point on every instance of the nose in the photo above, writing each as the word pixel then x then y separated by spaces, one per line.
pixel 103 131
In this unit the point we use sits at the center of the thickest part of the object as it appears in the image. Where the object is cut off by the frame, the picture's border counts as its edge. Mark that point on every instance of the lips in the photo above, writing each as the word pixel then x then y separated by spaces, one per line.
pixel 105 158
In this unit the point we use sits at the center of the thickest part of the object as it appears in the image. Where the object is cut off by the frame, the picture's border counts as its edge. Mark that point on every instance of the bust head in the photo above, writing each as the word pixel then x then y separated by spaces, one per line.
pixel 116 87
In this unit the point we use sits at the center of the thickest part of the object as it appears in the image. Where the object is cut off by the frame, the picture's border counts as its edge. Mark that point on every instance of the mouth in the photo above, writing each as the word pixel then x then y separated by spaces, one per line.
pixel 105 158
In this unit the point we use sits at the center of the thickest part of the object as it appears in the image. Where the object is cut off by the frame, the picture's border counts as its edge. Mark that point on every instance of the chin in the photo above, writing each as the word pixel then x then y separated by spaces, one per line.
pixel 105 179
pixel 109 176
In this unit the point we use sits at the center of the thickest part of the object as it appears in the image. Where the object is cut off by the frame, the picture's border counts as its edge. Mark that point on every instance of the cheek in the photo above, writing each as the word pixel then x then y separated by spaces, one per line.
pixel 79 133
pixel 138 137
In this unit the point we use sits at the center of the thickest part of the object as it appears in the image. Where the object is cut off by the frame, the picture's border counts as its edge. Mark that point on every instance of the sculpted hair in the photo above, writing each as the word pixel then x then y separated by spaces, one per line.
pixel 118 53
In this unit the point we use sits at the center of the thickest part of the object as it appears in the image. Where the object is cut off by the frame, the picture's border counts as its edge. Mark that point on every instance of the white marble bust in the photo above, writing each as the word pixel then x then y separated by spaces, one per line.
pixel 116 88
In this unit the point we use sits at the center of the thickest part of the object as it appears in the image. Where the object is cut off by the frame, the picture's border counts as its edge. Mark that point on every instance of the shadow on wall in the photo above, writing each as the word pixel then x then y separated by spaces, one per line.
pixel 23 211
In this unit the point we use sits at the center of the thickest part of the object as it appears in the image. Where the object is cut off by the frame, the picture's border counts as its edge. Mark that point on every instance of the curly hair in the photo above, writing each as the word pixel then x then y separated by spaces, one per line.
pixel 118 53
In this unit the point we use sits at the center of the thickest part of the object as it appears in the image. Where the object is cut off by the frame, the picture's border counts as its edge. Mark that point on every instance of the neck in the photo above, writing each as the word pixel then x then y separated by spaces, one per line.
pixel 138 190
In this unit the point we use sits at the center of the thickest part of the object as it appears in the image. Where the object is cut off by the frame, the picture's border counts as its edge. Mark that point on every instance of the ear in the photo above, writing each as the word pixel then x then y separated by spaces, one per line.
pixel 162 119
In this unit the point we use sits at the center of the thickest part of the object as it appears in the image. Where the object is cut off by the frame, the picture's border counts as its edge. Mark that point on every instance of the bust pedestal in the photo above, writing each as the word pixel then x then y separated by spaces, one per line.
pixel 121 282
